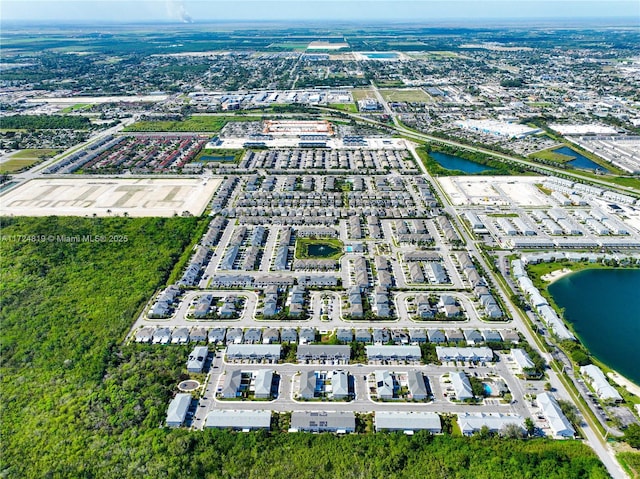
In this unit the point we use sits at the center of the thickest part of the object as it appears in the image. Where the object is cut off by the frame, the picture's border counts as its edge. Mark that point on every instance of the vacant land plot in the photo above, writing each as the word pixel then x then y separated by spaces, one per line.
pixel 25 159
pixel 362 93
pixel 87 197
pixel 411 95
pixel 195 123
pixel 494 190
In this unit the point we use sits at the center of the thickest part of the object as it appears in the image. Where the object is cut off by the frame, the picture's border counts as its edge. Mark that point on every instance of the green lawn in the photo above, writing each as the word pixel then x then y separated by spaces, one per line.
pixel 31 153
pixel 216 153
pixel 14 166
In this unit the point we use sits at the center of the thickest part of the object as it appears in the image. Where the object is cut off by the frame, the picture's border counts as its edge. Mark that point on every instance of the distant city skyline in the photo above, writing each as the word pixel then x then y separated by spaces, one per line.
pixel 187 11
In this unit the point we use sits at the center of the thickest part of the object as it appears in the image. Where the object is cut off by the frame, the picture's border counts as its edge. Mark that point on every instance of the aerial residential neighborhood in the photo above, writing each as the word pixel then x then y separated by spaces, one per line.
pixel 226 238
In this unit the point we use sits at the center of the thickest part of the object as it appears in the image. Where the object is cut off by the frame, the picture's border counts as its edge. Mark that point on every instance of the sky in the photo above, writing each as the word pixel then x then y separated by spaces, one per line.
pixel 132 11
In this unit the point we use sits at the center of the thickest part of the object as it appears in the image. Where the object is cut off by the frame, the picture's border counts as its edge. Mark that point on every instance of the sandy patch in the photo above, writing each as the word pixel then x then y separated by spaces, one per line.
pixel 625 383
pixel 556 275
pixel 109 197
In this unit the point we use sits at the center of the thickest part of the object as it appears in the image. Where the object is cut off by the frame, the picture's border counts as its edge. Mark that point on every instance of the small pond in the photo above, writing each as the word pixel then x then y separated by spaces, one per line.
pixel 451 162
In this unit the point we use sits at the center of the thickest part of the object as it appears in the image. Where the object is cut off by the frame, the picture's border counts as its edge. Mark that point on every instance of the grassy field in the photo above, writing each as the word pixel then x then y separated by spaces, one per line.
pixel 362 93
pixel 630 462
pixel 412 95
pixel 25 159
pixel 551 155
pixel 350 107
pixel 196 123
pixel 76 107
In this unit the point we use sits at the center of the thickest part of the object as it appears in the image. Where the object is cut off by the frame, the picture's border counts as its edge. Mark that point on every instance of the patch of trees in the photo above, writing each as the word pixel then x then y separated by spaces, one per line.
pixel 512 83
pixel 632 436
pixel 46 122
pixel 577 353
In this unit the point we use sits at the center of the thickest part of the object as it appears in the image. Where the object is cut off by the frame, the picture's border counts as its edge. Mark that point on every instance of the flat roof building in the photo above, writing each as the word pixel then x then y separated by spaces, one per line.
pixel 323 421
pixel 407 421
pixel 238 420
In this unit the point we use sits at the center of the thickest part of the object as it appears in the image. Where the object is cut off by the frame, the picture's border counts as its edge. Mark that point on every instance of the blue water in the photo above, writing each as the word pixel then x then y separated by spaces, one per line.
pixel 487 389
pixel 603 305
pixel 384 56
pixel 451 162
pixel 580 160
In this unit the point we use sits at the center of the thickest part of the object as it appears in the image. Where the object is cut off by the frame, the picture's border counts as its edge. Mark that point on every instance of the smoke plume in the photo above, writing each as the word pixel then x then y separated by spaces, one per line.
pixel 177 11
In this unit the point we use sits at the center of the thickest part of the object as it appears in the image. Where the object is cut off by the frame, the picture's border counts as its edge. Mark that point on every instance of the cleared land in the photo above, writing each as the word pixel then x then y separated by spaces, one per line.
pixel 494 190
pixel 362 93
pixel 25 159
pixel 411 95
pixel 86 197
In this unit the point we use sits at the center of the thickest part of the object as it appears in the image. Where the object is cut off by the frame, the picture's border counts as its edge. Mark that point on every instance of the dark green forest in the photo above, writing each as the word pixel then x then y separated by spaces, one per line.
pixel 45 122
pixel 77 403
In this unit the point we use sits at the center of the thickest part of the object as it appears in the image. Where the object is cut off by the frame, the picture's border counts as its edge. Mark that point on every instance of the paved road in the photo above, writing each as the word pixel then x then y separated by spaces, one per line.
pixel 363 401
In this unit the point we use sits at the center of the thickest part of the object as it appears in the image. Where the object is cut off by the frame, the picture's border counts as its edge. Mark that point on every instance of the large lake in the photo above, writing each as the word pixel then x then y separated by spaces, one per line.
pixel 451 162
pixel 603 305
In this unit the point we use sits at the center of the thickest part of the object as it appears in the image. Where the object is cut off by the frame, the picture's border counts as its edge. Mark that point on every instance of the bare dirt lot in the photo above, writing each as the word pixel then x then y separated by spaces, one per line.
pixel 104 197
